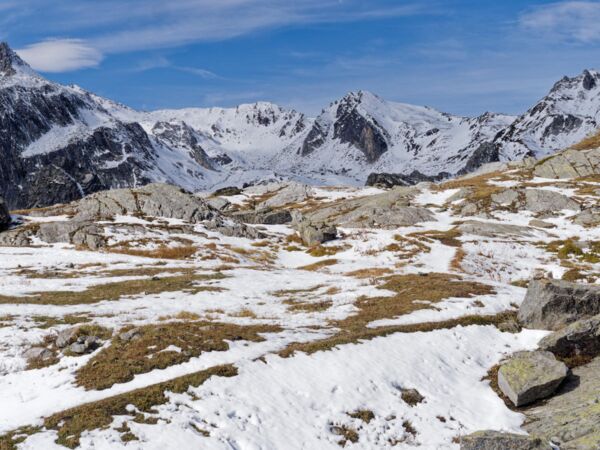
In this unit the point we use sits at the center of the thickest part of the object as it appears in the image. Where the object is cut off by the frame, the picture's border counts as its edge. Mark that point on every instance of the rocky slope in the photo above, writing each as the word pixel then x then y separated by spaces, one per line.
pixel 58 143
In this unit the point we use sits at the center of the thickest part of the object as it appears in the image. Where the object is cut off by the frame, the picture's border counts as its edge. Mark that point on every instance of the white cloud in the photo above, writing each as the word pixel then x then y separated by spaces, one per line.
pixel 571 20
pixel 60 55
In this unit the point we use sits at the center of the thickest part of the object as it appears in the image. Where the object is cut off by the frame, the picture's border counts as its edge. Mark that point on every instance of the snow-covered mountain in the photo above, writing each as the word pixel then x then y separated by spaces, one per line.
pixel 569 113
pixel 58 143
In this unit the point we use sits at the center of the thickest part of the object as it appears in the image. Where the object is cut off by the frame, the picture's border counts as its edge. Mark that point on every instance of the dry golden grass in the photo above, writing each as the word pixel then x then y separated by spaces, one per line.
pixel 374 272
pixel 319 265
pixel 449 238
pixel 123 360
pixel 321 250
pixel 162 252
pixel 187 281
pixel 457 259
pixel 408 289
pixel 588 143
pixel 307 306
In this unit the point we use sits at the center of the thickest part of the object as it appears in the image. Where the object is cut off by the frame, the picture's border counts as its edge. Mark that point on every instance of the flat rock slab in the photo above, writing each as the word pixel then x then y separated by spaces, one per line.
pixel 530 376
pixel 553 304
pixel 495 440
pixel 573 414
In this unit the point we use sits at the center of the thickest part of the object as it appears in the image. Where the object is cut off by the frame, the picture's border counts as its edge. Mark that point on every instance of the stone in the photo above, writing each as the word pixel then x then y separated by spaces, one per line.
pixel 581 338
pixel 543 200
pixel 66 337
pixel 537 223
pixel 570 163
pixel 38 353
pixel 530 376
pixel 553 304
pixel 316 233
pixel 130 335
pixel 489 229
pixel 389 180
pixel 227 191
pixel 290 193
pixel 496 440
pixel 5 218
pixel 264 217
pixel 85 344
pixel 218 203
pixel 572 416
pixel 589 217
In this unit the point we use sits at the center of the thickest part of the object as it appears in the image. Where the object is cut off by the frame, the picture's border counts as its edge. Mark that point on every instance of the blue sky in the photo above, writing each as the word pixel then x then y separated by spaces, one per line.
pixel 460 56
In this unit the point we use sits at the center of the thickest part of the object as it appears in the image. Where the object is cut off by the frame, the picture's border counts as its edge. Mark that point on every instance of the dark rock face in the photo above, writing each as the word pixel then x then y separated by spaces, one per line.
pixel 364 133
pixel 389 180
pixel 553 304
pixel 315 139
pixel 484 154
pixel 4 215
pixel 580 339
pixel 182 135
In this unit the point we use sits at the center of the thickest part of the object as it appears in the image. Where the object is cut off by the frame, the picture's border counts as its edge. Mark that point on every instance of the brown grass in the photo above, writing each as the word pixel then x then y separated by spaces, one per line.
pixel 449 238
pixel 72 423
pixel 121 361
pixel 319 265
pixel 188 282
pixel 374 272
pixel 162 252
pixel 306 306
pixel 407 288
pixel 321 250
pixel 365 415
pixel 588 143
pixel 457 259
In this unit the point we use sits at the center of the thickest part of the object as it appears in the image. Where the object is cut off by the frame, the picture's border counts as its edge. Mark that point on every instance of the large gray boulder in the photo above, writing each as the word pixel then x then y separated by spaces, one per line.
pixel 264 216
pixel 315 233
pixel 552 304
pixel 569 164
pixel 82 233
pixel 388 210
pixel 4 215
pixel 291 193
pixel 530 376
pixel 490 229
pixel 496 440
pixel 534 200
pixel 581 338
pixel 589 217
pixel 572 415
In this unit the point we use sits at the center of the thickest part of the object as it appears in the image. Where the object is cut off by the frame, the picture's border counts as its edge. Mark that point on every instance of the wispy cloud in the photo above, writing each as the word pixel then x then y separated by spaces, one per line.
pixel 571 20
pixel 60 55
pixel 161 62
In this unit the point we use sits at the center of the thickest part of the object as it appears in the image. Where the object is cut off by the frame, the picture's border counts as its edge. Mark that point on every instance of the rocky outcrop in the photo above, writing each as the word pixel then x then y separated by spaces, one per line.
pixel 534 200
pixel 389 180
pixel 265 216
pixel 81 233
pixel 530 376
pixel 579 339
pixel 388 210
pixel 589 217
pixel 5 218
pixel 496 440
pixel 571 417
pixel 313 233
pixel 553 304
pixel 288 193
pixel 569 164
pixel 491 230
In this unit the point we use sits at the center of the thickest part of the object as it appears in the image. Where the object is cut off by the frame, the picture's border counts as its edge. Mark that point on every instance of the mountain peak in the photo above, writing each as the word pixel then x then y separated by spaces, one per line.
pixel 10 62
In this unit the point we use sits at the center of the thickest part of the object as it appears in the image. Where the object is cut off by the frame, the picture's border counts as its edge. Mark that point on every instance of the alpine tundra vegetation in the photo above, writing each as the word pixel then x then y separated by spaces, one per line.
pixel 376 275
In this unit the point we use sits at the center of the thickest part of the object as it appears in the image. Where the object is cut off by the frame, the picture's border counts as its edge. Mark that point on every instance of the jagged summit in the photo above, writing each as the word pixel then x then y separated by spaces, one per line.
pixel 12 66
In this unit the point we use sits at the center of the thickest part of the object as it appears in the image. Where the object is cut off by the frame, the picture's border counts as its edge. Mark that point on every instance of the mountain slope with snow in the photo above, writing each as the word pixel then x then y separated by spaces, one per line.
pixel 58 143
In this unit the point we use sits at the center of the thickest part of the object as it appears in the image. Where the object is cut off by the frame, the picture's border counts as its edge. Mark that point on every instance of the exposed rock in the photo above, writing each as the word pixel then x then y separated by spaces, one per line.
pixel 130 335
pixel 488 229
pixel 315 233
pixel 389 180
pixel 291 193
pixel 569 164
pixel 496 440
pixel 589 217
pixel 218 203
pixel 485 153
pixel 572 415
pixel 4 215
pixel 264 217
pixel 38 353
pixel 535 200
pixel 411 396
pixel 553 304
pixel 537 223
pixel 581 338
pixel 83 233
pixel 67 337
pixel 227 191
pixel 85 344
pixel 389 210
pixel 543 200
pixel 530 376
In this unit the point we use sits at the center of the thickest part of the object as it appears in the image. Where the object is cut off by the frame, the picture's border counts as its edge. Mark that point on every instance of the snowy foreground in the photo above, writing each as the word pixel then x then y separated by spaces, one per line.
pixel 349 394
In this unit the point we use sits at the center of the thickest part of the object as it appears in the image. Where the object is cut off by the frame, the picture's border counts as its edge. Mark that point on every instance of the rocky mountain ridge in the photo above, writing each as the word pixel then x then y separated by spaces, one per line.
pixel 59 143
